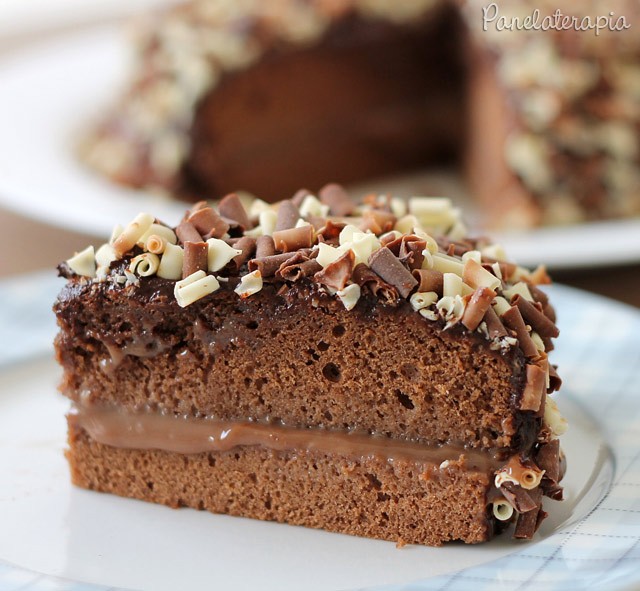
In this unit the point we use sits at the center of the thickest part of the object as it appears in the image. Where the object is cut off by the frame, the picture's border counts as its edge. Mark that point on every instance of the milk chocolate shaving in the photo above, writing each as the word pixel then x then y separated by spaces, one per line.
pixel 338 200
pixel 477 305
pixel 513 319
pixel 299 196
pixel 455 248
pixel 528 522
pixel 377 221
pixel 293 238
pixel 330 233
pixel 389 267
pixel 297 267
pixel 208 223
pixel 555 381
pixel 248 247
pixel 429 280
pixel 409 250
pixel 195 258
pixel 548 459
pixel 336 274
pixel 365 277
pixel 495 327
pixel 268 266
pixel 518 497
pixel 535 388
pixel 231 208
pixel 538 295
pixel 288 216
pixel 549 311
pixel 265 247
pixel 538 321
pixel 186 232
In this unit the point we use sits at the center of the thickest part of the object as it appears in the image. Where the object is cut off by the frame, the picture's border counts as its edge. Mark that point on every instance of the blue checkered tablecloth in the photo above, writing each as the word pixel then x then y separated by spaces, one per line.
pixel 599 355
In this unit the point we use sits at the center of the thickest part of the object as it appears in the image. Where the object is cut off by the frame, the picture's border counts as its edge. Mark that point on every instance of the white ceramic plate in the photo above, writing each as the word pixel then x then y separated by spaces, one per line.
pixel 51 91
pixel 51 527
pixel 592 540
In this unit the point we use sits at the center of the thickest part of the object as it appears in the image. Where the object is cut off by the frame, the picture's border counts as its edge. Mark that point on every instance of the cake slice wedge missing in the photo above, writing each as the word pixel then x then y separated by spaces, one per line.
pixel 360 368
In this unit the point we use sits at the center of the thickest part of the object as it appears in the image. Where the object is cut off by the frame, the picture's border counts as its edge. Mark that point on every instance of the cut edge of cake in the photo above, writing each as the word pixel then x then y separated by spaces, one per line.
pixel 369 355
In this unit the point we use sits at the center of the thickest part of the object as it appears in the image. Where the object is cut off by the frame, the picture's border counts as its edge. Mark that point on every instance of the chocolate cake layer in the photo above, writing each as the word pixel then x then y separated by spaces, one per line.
pixel 400 501
pixel 281 359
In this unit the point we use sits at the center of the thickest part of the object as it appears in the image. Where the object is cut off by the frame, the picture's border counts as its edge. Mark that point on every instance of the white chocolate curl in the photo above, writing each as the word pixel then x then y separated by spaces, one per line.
pixel 219 254
pixel 249 284
pixel 158 230
pixel 502 510
pixel 349 296
pixel 105 255
pixel 312 206
pixel 155 244
pixel 446 264
pixel 327 254
pixel 553 419
pixel 145 264
pixel 423 299
pixel 171 262
pixel 452 285
pixel 132 233
pixel 520 288
pixel 83 262
pixel 477 276
pixel 194 287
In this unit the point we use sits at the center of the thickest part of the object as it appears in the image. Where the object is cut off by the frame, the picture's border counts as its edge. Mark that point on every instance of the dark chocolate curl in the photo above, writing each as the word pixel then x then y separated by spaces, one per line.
pixel 209 223
pixel 513 319
pixel 479 302
pixel 297 267
pixel 288 216
pixel 519 498
pixel 231 208
pixel 528 522
pixel 429 280
pixel 330 233
pixel 538 295
pixel 409 250
pixel 338 200
pixel 186 232
pixel 555 381
pixel 195 258
pixel 336 274
pixel 389 267
pixel 248 247
pixel 365 277
pixel 494 325
pixel 534 389
pixel 268 266
pixel 293 238
pixel 548 459
pixel 538 321
pixel 265 247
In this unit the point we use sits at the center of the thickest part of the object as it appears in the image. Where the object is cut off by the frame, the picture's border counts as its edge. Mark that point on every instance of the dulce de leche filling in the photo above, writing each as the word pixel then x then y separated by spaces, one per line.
pixel 186 435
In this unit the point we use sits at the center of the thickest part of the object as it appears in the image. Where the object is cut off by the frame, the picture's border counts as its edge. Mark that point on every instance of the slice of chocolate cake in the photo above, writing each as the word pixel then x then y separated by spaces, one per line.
pixel 360 368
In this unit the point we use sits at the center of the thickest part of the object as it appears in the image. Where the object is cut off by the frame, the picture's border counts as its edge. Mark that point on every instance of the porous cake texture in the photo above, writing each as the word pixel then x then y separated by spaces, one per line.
pixel 357 367
pixel 542 121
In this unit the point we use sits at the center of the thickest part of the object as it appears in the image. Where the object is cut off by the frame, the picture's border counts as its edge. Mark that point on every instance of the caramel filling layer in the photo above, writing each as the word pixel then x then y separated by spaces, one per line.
pixel 190 436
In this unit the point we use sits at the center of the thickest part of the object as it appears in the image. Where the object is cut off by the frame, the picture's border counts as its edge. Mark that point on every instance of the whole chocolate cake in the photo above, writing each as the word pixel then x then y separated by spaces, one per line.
pixel 270 96
pixel 361 368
